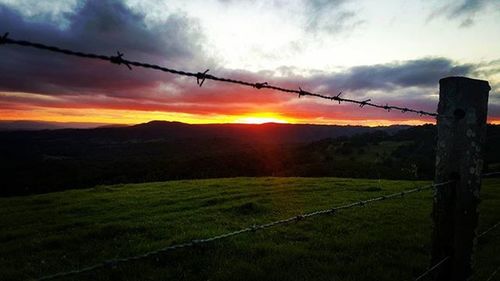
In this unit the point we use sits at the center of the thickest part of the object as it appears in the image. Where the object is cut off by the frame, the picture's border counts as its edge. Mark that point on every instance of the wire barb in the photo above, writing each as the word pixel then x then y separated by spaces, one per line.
pixel 200 77
pixel 337 97
pixel 363 103
pixel 303 93
pixel 196 242
pixel 118 59
pixel 260 85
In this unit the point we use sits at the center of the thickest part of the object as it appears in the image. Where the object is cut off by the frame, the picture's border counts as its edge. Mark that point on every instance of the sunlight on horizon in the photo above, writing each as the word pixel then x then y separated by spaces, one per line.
pixel 368 50
pixel 261 118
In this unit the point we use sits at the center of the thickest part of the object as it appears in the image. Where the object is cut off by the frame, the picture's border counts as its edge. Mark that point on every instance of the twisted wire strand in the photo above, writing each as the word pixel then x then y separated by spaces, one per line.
pixel 490 174
pixel 202 76
pixel 250 229
pixel 488 230
pixel 428 271
pixel 493 274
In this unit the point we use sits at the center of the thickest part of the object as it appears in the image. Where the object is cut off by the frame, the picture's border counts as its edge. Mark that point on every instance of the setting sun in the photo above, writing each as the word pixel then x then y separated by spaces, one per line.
pixel 260 119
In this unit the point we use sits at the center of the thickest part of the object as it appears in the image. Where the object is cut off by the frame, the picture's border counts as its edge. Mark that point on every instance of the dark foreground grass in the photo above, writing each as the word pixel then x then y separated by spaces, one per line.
pixel 389 240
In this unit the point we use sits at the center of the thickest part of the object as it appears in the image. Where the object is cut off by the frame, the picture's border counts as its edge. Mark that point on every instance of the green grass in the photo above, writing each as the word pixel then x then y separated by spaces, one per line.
pixel 389 240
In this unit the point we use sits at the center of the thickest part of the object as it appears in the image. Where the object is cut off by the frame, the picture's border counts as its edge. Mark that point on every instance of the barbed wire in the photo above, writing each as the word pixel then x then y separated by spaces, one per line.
pixel 202 76
pixel 490 174
pixel 252 229
pixel 493 274
pixel 428 271
pixel 481 235
pixel 488 230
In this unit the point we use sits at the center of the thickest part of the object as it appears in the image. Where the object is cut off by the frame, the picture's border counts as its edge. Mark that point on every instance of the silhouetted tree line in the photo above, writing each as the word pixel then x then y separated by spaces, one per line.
pixel 36 163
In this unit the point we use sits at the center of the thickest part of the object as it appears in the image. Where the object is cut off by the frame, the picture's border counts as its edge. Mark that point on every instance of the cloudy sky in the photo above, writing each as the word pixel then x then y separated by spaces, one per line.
pixel 390 51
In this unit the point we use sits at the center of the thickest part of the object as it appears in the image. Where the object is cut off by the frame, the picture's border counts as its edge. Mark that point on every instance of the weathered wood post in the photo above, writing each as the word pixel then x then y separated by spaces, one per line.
pixel 461 125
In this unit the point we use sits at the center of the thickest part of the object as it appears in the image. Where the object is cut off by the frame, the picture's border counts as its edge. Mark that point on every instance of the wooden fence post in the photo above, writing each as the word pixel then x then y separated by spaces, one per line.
pixel 463 104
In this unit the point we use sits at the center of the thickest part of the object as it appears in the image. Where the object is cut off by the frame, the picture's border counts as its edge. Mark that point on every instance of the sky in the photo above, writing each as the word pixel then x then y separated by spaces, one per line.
pixel 390 51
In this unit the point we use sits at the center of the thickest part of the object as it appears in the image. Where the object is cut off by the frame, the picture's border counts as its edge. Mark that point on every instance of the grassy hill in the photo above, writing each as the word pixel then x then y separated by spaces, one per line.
pixel 389 240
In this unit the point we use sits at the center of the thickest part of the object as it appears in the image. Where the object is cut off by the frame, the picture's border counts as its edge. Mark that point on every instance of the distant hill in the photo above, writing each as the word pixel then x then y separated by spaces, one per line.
pixel 57 159
pixel 268 132
pixel 51 160
pixel 172 131
pixel 23 125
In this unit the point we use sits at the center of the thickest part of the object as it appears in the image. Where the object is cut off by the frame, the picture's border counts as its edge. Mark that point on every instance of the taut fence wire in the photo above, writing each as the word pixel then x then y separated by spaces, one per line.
pixel 493 274
pixel 479 236
pixel 445 259
pixel 488 230
pixel 491 174
pixel 250 229
pixel 202 76
pixel 428 271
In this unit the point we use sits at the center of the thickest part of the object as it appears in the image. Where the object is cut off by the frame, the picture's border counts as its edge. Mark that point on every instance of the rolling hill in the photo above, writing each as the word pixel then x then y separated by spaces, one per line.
pixel 53 160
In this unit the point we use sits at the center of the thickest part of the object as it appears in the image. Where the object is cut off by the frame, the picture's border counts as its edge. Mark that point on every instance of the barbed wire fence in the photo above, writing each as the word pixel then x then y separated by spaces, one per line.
pixel 250 229
pixel 493 274
pixel 429 271
pixel 445 259
pixel 201 77
pixel 490 229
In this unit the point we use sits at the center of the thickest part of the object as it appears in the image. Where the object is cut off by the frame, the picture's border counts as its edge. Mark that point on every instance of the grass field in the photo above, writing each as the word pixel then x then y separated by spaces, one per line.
pixel 388 240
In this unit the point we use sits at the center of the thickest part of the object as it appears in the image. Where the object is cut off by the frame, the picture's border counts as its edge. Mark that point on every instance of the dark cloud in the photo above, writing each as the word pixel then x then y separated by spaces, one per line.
pixel 465 10
pixel 329 16
pixel 101 26
pixel 421 73
pixel 54 12
pixel 467 7
pixel 105 26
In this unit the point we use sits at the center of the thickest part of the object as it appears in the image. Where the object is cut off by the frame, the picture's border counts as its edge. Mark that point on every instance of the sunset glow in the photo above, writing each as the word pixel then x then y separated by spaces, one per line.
pixel 364 49
pixel 260 119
